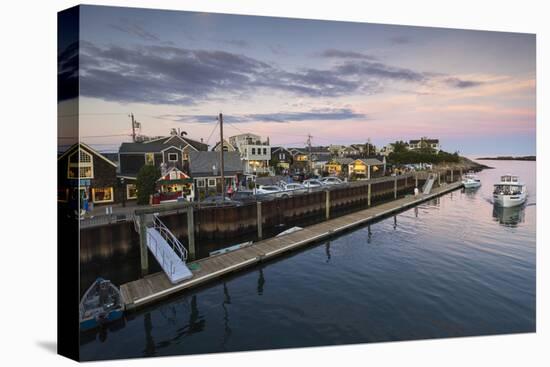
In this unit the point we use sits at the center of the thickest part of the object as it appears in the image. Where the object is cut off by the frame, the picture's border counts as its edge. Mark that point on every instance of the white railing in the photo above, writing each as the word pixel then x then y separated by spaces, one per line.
pixel 174 243
pixel 160 253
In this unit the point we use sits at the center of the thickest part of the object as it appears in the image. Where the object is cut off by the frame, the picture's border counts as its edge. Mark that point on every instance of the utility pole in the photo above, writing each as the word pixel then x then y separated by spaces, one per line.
pixel 221 157
pixel 134 125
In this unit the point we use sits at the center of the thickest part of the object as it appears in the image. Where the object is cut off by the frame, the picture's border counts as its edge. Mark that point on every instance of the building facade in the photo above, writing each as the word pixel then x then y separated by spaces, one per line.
pixel 87 178
pixel 255 153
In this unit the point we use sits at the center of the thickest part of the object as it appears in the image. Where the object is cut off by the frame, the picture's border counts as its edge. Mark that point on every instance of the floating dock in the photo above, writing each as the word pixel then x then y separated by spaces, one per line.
pixel 155 287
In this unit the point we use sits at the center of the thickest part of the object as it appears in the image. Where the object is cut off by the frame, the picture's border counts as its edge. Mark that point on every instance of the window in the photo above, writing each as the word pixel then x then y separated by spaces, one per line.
pixel 81 165
pixel 102 195
pixel 173 175
pixel 200 182
pixel 253 150
pixel 131 191
pixel 150 159
pixel 265 151
pixel 172 157
pixel 211 182
pixel 185 156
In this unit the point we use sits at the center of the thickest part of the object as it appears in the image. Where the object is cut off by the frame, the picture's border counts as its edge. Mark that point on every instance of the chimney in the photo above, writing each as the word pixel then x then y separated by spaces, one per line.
pixel 201 140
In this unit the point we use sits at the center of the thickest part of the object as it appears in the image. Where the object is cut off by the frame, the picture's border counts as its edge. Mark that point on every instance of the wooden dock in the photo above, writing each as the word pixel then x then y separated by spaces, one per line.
pixel 157 286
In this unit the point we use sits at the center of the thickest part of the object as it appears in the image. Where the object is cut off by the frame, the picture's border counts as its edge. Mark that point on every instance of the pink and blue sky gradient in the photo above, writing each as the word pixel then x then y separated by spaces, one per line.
pixel 285 78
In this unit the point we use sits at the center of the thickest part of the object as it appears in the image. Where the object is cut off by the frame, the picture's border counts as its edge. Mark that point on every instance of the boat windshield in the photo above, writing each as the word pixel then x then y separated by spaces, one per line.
pixel 509 178
pixel 507 190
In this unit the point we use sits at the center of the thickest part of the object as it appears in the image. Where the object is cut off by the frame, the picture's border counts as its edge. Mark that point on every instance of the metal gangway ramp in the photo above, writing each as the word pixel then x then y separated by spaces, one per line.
pixel 168 250
pixel 428 185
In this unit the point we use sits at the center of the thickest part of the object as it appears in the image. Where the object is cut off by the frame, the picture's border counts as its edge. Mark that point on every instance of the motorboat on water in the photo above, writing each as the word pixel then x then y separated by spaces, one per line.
pixel 470 180
pixel 509 192
pixel 101 304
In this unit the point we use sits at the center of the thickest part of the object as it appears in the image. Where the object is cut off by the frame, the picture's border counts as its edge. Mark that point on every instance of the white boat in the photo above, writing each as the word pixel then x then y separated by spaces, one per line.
pixel 470 180
pixel 509 192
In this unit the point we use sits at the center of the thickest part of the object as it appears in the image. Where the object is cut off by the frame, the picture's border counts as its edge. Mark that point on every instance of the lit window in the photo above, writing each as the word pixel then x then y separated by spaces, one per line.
pixel 131 191
pixel 80 165
pixel 172 157
pixel 102 195
pixel 150 159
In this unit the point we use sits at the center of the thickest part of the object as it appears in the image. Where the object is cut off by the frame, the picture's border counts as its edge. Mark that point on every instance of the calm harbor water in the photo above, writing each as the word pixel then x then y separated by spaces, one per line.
pixel 455 266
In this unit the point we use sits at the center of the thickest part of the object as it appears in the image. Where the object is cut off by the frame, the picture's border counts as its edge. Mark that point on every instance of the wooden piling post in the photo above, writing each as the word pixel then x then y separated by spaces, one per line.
pixel 395 188
pixel 416 180
pixel 369 195
pixel 452 172
pixel 259 218
pixel 191 231
pixel 439 178
pixel 143 245
pixel 327 204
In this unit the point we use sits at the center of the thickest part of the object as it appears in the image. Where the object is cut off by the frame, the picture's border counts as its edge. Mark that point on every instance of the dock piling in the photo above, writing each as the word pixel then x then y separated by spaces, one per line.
pixel 191 232
pixel 395 188
pixel 369 195
pixel 259 218
pixel 327 204
pixel 143 245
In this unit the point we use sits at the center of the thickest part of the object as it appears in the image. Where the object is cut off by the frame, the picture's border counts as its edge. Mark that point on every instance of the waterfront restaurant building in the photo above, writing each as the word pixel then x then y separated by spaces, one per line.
pixel 368 167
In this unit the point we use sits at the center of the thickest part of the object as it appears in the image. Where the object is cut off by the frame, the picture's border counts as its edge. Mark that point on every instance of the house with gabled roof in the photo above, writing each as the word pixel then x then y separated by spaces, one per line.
pixel 204 168
pixel 368 168
pixel 165 153
pixel 87 176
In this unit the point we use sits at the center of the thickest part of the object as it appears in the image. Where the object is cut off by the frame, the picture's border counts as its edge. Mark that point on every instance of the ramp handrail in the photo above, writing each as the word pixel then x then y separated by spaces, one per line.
pixel 157 248
pixel 176 245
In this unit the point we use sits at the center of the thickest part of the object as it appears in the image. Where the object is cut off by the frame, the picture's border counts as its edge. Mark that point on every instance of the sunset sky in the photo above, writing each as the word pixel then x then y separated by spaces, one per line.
pixel 284 78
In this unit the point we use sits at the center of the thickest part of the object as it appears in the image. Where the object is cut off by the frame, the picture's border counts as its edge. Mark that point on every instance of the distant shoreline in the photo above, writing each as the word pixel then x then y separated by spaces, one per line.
pixel 510 158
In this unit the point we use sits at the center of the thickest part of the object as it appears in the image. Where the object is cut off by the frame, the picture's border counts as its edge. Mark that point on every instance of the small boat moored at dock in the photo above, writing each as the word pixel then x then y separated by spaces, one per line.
pixel 470 180
pixel 101 304
pixel 509 192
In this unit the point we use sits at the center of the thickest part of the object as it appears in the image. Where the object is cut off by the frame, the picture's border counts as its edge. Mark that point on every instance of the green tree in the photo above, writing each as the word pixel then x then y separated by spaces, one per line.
pixel 146 183
pixel 399 147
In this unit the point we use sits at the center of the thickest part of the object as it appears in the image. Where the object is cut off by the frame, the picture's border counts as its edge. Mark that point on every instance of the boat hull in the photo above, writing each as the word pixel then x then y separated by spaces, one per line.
pixel 508 201
pixel 94 322
pixel 471 185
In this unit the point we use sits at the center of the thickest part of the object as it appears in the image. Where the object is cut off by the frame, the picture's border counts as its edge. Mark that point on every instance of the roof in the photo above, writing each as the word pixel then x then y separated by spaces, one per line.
pixel 200 163
pixel 275 149
pixel 89 149
pixel 371 161
pixel 157 145
pixel 429 141
pixel 342 160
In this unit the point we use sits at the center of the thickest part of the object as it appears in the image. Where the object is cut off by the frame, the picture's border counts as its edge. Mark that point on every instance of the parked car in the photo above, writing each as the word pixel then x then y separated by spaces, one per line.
pixel 294 188
pixel 271 190
pixel 312 183
pixel 331 181
pixel 217 199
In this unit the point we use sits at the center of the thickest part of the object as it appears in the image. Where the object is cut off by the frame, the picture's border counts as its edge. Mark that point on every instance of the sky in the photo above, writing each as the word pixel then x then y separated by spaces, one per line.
pixel 341 82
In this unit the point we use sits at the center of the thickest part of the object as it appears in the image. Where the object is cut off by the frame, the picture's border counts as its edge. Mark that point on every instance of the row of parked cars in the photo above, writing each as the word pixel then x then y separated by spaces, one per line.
pixel 268 192
pixel 284 189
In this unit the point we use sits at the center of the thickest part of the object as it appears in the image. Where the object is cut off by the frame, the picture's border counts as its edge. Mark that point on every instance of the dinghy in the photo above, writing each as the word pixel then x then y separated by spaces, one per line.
pixel 100 305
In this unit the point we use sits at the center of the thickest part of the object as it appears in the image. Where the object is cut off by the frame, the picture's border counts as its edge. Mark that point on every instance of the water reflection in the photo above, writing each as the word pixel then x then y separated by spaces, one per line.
pixel 261 281
pixel 509 217
pixel 327 251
